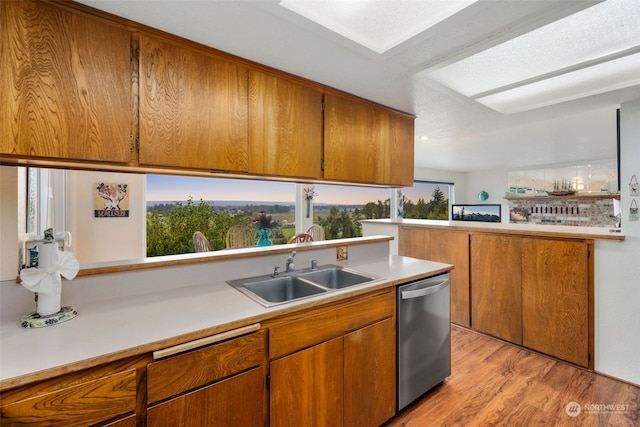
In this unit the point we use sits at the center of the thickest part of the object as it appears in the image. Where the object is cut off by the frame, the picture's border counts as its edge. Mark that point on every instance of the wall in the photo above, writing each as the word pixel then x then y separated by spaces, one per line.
pixel 458 178
pixel 9 227
pixel 493 182
pixel 617 271
pixel 119 238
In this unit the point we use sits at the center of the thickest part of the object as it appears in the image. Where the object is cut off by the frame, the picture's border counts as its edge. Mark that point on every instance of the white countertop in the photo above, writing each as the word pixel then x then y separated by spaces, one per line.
pixel 532 229
pixel 126 326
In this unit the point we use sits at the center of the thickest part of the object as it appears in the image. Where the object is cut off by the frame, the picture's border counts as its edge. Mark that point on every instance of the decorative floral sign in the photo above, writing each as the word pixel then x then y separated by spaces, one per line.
pixel 111 200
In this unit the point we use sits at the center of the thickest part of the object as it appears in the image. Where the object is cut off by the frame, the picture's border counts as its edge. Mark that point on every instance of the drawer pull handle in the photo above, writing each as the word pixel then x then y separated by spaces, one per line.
pixel 170 351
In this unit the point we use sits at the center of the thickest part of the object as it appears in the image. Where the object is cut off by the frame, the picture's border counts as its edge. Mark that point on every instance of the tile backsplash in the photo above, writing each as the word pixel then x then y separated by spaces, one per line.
pixel 588 212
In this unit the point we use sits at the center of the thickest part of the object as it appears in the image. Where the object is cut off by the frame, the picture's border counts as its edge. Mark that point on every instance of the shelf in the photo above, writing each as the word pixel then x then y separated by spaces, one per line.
pixel 572 196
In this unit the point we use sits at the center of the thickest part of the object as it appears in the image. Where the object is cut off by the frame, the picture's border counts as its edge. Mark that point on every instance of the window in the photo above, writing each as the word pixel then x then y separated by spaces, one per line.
pixel 178 206
pixel 427 200
pixel 339 208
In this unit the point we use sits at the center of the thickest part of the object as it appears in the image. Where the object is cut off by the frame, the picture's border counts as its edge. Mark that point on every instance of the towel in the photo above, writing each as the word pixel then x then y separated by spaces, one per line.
pixel 46 277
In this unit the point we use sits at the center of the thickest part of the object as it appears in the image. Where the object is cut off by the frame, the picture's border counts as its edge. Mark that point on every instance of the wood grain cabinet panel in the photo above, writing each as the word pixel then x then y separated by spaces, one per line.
pixel 318 327
pixel 307 387
pixel 414 242
pixel 555 298
pixel 238 401
pixel 193 108
pixel 130 421
pixel 285 127
pixel 80 404
pixel 451 247
pixel 197 368
pixel 496 290
pixel 65 86
pixel 222 384
pixel 344 374
pixel 364 142
pixel 370 370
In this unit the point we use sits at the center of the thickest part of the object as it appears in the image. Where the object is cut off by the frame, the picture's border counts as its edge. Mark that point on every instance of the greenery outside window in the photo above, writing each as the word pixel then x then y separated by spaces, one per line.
pixel 179 206
pixel 427 200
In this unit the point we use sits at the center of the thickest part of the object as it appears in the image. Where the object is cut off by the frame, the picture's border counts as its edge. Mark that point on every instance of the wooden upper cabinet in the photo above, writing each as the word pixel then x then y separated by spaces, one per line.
pixel 193 108
pixel 366 143
pixel 65 85
pixel 285 127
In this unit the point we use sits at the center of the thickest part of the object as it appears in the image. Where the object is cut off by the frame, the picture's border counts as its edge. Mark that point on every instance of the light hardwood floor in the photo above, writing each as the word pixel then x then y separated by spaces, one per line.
pixel 494 383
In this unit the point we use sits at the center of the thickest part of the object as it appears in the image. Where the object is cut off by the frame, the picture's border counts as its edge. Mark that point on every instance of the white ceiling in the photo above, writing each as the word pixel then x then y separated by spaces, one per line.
pixel 464 135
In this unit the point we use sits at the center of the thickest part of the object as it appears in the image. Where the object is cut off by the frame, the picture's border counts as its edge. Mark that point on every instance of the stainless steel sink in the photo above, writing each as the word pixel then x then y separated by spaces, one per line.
pixel 282 289
pixel 269 290
pixel 336 277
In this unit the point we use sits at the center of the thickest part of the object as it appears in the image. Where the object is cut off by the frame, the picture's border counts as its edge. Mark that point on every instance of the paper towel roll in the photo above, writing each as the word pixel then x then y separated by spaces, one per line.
pixel 49 302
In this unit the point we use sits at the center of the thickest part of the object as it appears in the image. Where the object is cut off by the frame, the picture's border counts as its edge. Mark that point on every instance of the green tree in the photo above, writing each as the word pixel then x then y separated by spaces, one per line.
pixel 173 233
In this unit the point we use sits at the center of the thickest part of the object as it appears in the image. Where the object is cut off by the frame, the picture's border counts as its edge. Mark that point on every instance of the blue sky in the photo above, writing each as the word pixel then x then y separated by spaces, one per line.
pixel 173 188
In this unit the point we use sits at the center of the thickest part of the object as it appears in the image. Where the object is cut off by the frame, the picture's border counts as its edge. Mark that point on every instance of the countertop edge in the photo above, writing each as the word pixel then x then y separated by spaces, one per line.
pixel 599 233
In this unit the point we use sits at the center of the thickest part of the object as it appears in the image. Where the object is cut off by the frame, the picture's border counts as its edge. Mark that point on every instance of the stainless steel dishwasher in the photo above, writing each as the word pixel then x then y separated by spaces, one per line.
pixel 424 349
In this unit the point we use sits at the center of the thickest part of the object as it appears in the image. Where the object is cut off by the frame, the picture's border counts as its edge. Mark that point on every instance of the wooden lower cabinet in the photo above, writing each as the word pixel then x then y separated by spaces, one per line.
pixel 536 292
pixel 496 297
pixel 556 298
pixel 234 402
pixel 223 384
pixel 346 377
pixel 107 393
pixel 451 247
pixel 370 375
pixel 307 387
pixel 130 421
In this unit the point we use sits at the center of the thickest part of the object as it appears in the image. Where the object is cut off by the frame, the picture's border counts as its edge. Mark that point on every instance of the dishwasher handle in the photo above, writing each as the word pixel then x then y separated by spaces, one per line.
pixel 420 292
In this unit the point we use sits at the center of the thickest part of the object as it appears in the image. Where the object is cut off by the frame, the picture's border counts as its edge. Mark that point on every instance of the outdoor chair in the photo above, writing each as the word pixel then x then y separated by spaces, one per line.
pixel 301 238
pixel 200 242
pixel 239 236
pixel 316 231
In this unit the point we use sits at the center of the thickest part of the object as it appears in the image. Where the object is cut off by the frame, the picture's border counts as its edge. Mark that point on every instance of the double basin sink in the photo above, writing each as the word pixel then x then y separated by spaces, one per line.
pixel 287 287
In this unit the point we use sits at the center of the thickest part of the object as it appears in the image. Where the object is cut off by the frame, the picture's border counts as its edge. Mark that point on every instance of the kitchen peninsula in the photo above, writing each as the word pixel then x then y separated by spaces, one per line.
pixel 507 274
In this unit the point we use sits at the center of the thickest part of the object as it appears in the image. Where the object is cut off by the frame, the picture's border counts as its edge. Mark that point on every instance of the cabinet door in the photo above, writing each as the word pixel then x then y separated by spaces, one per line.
pixel 496 290
pixel 370 375
pixel 307 388
pixel 239 401
pixel 452 247
pixel 193 108
pixel 285 127
pixel 414 242
pixel 555 295
pixel 65 85
pixel 364 142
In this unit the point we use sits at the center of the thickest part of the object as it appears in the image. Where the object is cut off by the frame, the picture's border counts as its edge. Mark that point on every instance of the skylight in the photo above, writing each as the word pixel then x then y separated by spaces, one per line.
pixel 567 59
pixel 378 25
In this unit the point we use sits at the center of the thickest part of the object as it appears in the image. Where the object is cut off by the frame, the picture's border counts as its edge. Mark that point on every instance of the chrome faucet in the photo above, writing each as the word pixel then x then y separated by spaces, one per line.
pixel 290 266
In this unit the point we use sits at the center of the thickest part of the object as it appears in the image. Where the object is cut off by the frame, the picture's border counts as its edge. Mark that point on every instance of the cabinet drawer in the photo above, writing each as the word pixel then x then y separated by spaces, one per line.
pixel 79 405
pixel 233 402
pixel 188 371
pixel 315 328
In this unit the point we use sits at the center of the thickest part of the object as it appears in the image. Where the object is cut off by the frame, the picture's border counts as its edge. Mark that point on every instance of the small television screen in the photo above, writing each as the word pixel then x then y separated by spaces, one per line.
pixel 482 213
